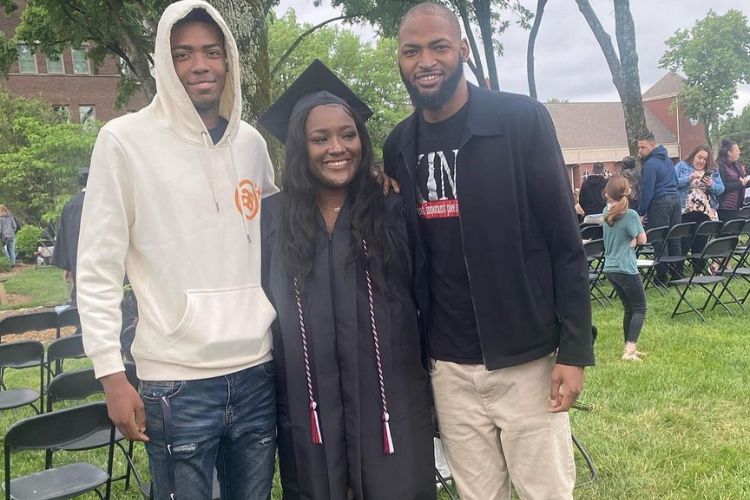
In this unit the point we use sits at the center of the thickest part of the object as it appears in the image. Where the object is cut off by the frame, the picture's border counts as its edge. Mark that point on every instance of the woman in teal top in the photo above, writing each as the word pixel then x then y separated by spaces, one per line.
pixel 622 232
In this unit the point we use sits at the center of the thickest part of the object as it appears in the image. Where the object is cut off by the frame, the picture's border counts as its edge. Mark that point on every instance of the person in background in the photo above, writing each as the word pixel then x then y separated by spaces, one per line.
pixel 66 241
pixel 622 233
pixel 699 184
pixel 735 180
pixel 591 197
pixel 8 229
pixel 660 200
pixel 633 175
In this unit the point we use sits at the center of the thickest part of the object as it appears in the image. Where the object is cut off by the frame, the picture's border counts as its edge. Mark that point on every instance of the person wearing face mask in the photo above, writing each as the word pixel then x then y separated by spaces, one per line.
pixel 354 416
pixel 735 180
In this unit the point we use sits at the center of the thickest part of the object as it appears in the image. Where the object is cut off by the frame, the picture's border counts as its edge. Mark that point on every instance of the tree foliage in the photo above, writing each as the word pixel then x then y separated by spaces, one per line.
pixel 370 69
pixel 623 65
pixel 737 128
pixel 39 158
pixel 714 55
pixel 484 22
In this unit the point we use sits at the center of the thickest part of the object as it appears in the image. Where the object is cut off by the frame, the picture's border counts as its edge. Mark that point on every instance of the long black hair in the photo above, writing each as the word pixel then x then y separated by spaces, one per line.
pixel 299 213
pixel 724 149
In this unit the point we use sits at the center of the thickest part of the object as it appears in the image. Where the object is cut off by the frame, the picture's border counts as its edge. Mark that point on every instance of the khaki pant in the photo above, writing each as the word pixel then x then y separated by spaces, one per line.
pixel 495 428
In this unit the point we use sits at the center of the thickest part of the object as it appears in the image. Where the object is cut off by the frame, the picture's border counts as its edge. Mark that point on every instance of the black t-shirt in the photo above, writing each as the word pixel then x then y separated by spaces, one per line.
pixel 217 132
pixel 452 329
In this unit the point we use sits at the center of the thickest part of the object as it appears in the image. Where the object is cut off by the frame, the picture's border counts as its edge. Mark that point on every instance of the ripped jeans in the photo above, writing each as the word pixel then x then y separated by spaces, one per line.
pixel 227 422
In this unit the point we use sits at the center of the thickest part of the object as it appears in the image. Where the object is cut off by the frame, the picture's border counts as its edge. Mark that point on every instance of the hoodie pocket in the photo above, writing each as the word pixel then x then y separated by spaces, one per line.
pixel 223 327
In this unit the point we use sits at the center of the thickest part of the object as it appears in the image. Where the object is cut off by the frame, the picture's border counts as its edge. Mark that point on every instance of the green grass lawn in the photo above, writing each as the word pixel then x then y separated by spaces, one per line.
pixel 675 426
pixel 43 287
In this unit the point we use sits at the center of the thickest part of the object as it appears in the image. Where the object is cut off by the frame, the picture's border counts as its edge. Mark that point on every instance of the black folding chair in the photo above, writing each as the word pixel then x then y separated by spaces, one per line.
pixel 739 271
pixel 19 355
pixel 706 230
pixel 717 250
pixel 70 347
pixel 76 385
pixel 594 250
pixel 28 322
pixel 591 232
pixel 55 430
pixel 675 263
pixel 68 317
pixel 647 254
pixel 732 227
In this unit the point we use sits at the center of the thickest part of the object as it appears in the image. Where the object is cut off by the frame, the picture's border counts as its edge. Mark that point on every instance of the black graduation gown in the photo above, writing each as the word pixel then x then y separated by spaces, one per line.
pixel 344 373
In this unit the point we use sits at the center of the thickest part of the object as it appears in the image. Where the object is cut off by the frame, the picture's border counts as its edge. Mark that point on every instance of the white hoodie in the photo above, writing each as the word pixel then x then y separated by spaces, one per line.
pixel 180 216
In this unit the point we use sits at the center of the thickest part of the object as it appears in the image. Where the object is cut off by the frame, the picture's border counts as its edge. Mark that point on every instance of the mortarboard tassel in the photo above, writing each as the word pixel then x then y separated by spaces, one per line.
pixel 317 437
pixel 388 448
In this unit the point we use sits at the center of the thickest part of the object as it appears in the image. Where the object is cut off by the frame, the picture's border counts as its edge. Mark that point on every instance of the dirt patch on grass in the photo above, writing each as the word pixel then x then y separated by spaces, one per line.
pixel 44 336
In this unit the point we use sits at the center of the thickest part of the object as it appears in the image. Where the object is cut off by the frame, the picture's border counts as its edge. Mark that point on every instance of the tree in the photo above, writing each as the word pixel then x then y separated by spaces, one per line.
pixel 490 17
pixel 737 128
pixel 40 161
pixel 624 68
pixel 530 73
pixel 127 30
pixel 368 68
pixel 715 56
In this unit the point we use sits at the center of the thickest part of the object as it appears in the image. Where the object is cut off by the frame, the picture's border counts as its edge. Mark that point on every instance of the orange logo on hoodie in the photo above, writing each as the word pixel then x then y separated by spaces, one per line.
pixel 247 199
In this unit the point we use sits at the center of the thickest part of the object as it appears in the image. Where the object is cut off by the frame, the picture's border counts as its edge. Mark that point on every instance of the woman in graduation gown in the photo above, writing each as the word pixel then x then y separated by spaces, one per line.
pixel 354 417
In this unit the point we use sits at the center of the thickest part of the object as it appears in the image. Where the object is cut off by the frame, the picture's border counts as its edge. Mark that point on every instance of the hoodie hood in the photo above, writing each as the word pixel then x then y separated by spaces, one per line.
pixel 659 152
pixel 171 102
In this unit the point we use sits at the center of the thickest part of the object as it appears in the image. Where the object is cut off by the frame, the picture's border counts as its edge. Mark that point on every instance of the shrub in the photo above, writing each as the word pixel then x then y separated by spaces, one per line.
pixel 27 241
pixel 4 264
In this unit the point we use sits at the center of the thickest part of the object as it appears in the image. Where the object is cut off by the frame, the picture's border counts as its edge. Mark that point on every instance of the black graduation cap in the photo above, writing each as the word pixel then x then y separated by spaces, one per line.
pixel 315 86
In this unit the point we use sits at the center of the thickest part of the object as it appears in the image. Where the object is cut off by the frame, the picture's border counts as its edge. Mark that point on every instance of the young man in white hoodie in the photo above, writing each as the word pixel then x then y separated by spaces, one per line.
pixel 173 200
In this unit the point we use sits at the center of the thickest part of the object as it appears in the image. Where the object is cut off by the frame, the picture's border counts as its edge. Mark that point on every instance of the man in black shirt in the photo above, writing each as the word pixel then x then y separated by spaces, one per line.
pixel 500 273
pixel 591 197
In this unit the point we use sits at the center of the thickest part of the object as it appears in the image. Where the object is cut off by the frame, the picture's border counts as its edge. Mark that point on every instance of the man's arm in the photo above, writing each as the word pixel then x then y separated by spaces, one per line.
pixel 552 206
pixel 648 181
pixel 102 248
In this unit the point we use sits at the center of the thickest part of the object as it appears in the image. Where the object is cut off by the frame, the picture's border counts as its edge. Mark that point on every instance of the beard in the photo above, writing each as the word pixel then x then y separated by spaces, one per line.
pixel 438 99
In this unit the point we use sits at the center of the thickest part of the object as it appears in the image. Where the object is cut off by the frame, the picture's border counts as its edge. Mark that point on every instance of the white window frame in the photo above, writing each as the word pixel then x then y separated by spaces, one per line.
pixel 33 55
pixel 58 60
pixel 85 52
pixel 62 110
pixel 82 117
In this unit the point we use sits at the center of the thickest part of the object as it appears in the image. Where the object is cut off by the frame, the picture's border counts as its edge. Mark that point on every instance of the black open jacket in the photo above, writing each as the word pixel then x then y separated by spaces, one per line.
pixel 524 256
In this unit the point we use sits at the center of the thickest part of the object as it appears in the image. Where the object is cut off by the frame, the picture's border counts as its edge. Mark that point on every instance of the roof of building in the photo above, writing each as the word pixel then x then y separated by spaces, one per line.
pixel 669 85
pixel 598 125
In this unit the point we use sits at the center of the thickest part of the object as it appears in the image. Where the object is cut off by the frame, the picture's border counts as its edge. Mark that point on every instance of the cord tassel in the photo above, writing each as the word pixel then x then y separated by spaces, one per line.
pixel 317 437
pixel 388 447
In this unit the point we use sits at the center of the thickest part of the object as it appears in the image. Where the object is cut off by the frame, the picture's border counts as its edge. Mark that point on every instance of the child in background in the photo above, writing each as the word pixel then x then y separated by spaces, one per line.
pixel 622 232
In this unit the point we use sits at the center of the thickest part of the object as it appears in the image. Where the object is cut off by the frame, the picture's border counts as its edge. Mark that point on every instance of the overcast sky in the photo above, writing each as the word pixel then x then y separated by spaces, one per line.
pixel 569 62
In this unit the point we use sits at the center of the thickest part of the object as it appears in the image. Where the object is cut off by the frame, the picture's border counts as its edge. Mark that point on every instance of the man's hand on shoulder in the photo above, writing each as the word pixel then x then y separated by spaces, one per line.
pixel 125 406
pixel 565 386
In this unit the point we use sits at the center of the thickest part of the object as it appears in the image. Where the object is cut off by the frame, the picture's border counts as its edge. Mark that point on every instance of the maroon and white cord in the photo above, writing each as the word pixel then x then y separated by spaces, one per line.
pixel 317 436
pixel 388 447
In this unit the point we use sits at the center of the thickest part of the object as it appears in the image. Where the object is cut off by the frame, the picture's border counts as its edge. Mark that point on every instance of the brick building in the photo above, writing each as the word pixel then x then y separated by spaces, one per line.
pixel 591 132
pixel 68 83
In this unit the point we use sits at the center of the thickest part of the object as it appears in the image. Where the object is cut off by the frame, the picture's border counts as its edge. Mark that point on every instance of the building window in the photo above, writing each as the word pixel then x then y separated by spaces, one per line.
pixel 87 114
pixel 26 59
pixel 80 61
pixel 62 111
pixel 55 65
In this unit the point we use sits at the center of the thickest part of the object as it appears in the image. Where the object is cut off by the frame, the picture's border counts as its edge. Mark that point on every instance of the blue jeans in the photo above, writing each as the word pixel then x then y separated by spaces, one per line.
pixel 227 422
pixel 9 249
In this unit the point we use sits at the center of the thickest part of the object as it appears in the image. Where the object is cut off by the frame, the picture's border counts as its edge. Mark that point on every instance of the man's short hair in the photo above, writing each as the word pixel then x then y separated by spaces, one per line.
pixel 199 15
pixel 647 136
pixel 433 9
pixel 598 167
pixel 628 162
